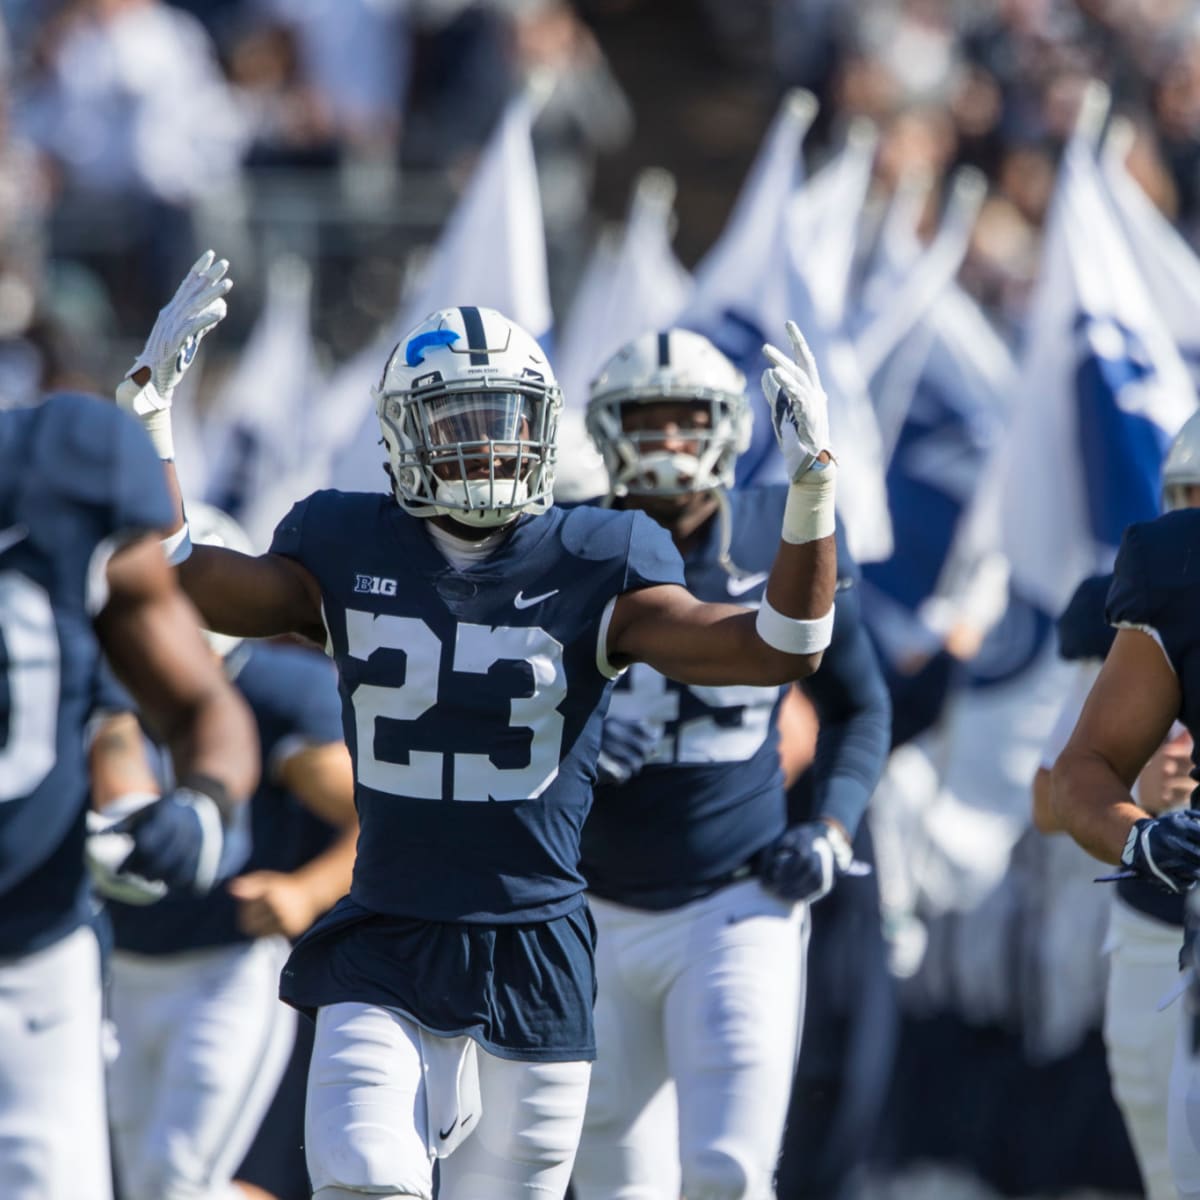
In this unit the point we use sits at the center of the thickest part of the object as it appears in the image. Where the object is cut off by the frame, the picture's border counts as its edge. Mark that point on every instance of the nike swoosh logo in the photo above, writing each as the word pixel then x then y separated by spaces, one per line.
pixel 738 587
pixel 11 536
pixel 445 1133
pixel 520 600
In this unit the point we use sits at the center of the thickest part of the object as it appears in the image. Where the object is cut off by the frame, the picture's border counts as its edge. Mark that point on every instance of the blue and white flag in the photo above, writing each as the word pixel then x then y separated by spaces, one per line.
pixel 632 284
pixel 1168 263
pixel 492 252
pixel 1102 391
pixel 261 428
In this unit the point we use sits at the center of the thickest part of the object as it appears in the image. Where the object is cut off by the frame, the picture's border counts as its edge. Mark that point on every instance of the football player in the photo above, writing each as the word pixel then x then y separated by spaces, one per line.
pixel 700 892
pixel 1147 921
pixel 194 1000
pixel 1148 680
pixel 477 631
pixel 81 568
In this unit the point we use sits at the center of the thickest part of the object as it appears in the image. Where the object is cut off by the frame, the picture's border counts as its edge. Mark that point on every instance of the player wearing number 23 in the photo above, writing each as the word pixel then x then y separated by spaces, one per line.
pixel 477 631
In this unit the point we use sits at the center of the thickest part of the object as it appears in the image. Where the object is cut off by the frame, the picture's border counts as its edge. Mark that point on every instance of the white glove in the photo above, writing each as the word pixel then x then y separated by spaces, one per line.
pixel 799 406
pixel 197 306
pixel 105 851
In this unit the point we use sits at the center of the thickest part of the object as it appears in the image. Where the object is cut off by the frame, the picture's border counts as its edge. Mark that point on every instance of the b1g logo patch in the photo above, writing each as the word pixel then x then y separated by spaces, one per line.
pixel 374 585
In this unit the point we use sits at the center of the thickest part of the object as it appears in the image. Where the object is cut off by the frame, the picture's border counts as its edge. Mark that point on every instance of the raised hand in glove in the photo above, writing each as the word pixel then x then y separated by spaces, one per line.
pixel 804 862
pixel 1165 850
pixel 197 306
pixel 798 404
pixel 624 747
pixel 174 842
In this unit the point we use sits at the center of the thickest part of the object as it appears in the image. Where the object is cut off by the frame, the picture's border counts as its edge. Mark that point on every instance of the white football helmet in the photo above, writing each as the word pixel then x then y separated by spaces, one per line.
pixel 469 408
pixel 1181 467
pixel 210 526
pixel 676 365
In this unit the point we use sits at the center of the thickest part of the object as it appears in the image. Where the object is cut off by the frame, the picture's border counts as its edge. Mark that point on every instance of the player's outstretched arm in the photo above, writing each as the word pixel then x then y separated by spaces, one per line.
pixel 716 644
pixel 236 594
pixel 1124 720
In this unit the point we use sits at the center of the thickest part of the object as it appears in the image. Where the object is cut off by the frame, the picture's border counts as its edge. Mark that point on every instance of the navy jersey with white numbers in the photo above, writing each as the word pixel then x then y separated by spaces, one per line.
pixel 1156 587
pixel 293 696
pixel 76 478
pixel 711 795
pixel 472 699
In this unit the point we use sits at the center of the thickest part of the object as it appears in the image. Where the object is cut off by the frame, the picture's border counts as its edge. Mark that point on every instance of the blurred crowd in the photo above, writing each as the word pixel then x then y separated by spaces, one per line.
pixel 342 128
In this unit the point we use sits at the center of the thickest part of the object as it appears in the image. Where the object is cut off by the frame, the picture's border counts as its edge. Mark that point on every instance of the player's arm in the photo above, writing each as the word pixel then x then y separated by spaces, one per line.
pixel 1124 720
pixel 269 902
pixel 717 644
pixel 150 635
pixel 798 731
pixel 235 593
pixel 117 760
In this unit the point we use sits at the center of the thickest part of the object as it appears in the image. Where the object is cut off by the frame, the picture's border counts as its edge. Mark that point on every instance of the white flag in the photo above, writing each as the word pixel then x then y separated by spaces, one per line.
pixel 631 285
pixel 1102 390
pixel 260 431
pixel 492 252
pixel 1168 264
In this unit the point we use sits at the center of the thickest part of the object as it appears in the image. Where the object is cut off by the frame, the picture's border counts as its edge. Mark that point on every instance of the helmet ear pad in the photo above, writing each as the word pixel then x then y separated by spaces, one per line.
pixel 469 407
pixel 676 365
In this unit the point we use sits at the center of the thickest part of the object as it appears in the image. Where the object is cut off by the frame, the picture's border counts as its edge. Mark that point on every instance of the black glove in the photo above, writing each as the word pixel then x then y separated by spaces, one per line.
pixel 1166 850
pixel 804 862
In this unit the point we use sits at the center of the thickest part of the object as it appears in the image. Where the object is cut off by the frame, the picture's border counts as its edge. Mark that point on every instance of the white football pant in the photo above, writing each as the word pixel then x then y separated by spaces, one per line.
pixel 53 1138
pixel 1183 1102
pixel 698 1020
pixel 385 1098
pixel 204 1041
pixel 1143 968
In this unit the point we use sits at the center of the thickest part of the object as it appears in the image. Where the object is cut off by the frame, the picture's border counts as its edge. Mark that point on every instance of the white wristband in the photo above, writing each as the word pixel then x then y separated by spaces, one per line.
pixel 178 546
pixel 154 412
pixel 809 512
pixel 790 635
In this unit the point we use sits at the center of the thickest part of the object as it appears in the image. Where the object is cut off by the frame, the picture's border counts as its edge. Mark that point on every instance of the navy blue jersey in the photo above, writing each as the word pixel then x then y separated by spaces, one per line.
pixel 1156 587
pixel 710 796
pixel 1083 630
pixel 77 477
pixel 293 696
pixel 473 699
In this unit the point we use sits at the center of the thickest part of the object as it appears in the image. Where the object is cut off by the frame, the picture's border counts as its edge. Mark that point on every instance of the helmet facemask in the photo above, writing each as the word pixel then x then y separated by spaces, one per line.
pixel 480 451
pixel 704 442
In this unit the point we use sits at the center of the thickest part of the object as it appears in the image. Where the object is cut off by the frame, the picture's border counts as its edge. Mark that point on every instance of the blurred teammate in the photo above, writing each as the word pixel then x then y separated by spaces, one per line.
pixel 1149 679
pixel 700 894
pixel 204 1039
pixel 80 569
pixel 477 631
pixel 1147 922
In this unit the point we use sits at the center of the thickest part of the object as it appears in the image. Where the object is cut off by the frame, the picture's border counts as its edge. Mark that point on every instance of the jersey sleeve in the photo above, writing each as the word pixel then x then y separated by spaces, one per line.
pixel 1083 631
pixel 315 716
pixel 288 538
pixel 652 558
pixel 1132 598
pixel 855 717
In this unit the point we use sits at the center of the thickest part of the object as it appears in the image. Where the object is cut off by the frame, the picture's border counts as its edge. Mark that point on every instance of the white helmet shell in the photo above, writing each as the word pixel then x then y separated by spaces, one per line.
pixel 1181 467
pixel 210 526
pixel 679 365
pixel 469 409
